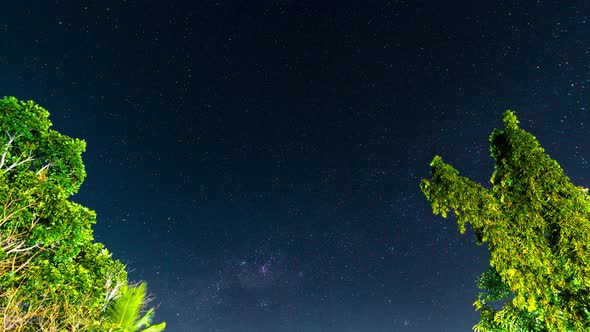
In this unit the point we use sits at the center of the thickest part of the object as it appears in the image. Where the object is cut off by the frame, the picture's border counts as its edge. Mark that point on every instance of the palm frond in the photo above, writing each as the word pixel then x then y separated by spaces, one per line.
pixel 146 320
pixel 125 309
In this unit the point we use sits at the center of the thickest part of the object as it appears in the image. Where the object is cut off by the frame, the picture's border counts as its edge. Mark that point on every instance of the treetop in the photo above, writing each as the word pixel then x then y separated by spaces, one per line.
pixel 537 227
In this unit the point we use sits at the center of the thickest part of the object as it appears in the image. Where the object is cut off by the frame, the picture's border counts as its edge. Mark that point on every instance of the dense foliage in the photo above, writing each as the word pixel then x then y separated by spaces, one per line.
pixel 537 227
pixel 53 276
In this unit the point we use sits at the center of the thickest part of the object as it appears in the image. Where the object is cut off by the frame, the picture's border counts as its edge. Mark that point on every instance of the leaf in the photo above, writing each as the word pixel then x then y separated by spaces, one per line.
pixel 146 320
pixel 156 328
pixel 125 309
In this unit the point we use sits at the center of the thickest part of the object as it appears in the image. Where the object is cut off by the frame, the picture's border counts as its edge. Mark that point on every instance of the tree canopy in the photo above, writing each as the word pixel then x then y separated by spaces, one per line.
pixel 536 224
pixel 53 276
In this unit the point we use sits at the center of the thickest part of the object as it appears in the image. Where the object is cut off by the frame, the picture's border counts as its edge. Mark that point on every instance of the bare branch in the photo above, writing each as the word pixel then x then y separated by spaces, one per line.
pixel 18 163
pixel 46 166
pixel 7 147
pixel 112 285
pixel 17 248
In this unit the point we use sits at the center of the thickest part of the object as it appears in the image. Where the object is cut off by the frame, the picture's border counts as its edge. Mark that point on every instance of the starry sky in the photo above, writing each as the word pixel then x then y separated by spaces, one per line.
pixel 258 162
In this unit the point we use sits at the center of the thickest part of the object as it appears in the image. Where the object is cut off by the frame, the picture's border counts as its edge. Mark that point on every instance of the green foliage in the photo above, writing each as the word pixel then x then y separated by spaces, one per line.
pixel 25 127
pixel 537 227
pixel 53 276
pixel 124 312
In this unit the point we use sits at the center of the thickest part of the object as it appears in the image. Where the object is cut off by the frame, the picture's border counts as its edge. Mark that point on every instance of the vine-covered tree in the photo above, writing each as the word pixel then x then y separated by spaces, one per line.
pixel 537 227
pixel 53 276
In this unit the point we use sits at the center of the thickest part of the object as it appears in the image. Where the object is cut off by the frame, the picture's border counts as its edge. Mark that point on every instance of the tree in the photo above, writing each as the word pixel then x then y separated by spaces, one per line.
pixel 537 227
pixel 53 276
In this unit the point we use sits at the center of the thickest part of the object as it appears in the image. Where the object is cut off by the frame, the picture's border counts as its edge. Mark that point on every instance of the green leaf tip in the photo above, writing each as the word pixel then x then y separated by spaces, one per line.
pixel 437 159
pixel 510 120
pixel 156 328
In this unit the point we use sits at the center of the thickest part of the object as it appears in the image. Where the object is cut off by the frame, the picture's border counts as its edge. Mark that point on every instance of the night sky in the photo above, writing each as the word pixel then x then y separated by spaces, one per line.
pixel 258 162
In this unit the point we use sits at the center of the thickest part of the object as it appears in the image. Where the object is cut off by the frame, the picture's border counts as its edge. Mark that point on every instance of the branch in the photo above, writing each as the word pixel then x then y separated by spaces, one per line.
pixel 112 291
pixel 17 247
pixel 6 147
pixel 46 166
pixel 18 163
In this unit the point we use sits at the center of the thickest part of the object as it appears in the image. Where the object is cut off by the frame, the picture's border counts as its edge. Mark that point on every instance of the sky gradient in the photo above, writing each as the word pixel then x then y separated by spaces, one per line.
pixel 258 163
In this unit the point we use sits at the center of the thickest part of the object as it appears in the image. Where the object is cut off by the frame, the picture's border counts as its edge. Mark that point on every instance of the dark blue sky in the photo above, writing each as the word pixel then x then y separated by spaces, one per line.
pixel 257 163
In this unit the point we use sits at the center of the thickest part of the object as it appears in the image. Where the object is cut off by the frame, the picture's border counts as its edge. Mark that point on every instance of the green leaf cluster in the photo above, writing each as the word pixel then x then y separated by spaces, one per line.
pixel 536 224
